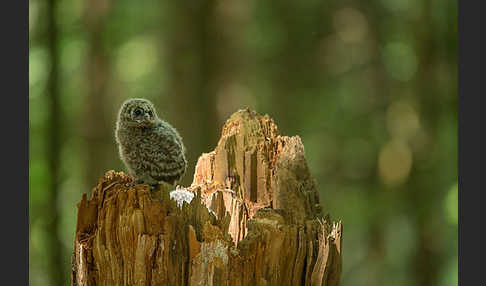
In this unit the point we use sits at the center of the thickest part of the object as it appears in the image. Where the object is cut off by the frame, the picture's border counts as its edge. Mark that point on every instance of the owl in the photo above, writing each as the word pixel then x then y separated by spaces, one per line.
pixel 151 149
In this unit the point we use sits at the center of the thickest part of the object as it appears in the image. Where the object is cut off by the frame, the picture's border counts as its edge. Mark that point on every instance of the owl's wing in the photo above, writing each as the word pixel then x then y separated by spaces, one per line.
pixel 168 162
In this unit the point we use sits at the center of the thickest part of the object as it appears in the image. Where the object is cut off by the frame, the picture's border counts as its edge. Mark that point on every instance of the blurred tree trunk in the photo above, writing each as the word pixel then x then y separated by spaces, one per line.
pixel 293 69
pixel 192 70
pixel 98 144
pixel 423 198
pixel 55 257
pixel 255 220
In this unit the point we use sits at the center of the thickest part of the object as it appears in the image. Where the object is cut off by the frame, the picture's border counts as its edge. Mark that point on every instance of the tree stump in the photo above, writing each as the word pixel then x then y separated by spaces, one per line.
pixel 255 219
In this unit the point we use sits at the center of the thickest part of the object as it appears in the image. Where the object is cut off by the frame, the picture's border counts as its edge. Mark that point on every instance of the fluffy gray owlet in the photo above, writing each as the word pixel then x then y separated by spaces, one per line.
pixel 151 148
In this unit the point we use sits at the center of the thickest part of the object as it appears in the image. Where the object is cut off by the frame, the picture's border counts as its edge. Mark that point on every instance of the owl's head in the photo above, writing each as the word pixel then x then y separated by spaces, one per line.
pixel 137 112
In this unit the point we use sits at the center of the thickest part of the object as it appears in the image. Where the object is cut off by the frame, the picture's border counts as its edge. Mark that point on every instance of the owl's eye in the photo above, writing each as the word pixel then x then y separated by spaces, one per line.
pixel 150 112
pixel 137 112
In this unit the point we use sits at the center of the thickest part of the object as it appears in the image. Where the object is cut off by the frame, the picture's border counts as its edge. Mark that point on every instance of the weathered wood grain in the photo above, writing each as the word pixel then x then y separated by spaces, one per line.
pixel 255 220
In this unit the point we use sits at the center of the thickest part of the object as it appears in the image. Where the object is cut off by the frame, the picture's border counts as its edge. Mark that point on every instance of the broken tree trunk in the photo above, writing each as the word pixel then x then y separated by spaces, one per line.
pixel 255 220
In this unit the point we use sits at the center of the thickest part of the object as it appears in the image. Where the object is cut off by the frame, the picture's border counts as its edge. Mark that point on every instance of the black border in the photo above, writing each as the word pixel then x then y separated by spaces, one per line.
pixel 14 209
pixel 472 155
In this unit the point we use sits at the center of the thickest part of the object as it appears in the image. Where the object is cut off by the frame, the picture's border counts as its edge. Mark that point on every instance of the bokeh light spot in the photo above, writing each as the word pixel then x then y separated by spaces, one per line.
pixel 394 163
pixel 38 66
pixel 71 55
pixel 402 120
pixel 351 25
pixel 137 58
pixel 400 61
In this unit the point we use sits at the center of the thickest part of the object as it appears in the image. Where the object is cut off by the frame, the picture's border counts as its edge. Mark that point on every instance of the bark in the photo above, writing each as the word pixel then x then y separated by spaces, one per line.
pixel 192 65
pixel 98 101
pixel 255 220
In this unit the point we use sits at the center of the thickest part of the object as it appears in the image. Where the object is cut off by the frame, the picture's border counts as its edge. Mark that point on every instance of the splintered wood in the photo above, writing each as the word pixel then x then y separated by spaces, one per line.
pixel 255 220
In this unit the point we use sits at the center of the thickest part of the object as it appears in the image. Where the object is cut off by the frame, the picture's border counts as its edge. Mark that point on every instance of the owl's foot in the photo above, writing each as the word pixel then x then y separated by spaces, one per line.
pixel 136 182
pixel 154 187
pixel 142 182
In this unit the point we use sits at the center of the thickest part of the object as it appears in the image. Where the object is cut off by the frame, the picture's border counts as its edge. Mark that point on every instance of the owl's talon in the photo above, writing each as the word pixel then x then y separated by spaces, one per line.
pixel 132 184
pixel 153 187
pixel 136 182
